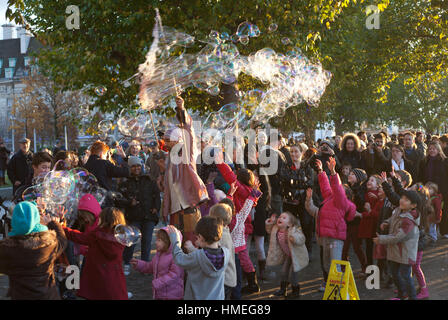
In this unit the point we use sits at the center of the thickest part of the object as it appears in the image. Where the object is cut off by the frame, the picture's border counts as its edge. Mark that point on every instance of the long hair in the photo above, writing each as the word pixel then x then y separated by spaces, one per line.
pixel 347 137
pixel 111 217
pixel 425 208
pixel 437 145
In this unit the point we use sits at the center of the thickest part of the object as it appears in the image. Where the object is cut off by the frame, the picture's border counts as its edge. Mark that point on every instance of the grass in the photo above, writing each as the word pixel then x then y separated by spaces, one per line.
pixel 8 183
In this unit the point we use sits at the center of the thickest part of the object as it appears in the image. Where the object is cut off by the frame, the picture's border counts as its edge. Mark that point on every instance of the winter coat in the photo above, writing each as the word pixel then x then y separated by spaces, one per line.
pixel 439 174
pixel 402 239
pixel 168 277
pixel 377 161
pixel 204 281
pixel 145 191
pixel 299 253
pixel 354 158
pixel 4 155
pixel 29 263
pixel 437 205
pixel 295 182
pixel 367 226
pixel 205 207
pixel 192 190
pixel 273 169
pixel 226 242
pixel 102 277
pixel 104 171
pixel 393 196
pixel 239 227
pixel 359 191
pixel 415 156
pixel 336 208
pixel 19 167
pixel 241 194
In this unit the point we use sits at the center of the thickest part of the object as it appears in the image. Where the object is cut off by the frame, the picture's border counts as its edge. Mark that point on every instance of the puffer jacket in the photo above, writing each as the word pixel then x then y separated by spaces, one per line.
pixel 402 240
pixel 29 261
pixel 335 210
pixel 168 280
pixel 369 220
pixel 299 253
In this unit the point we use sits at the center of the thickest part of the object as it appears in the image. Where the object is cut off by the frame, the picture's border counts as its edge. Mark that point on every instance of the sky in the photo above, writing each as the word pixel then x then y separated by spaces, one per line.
pixel 3 5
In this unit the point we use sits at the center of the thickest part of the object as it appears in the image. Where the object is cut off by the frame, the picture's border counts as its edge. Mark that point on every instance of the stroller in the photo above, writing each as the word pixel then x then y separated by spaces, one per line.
pixel 6 207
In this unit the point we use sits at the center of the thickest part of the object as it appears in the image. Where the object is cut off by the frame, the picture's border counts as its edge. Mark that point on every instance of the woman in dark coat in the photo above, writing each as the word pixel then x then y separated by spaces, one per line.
pixel 28 255
pixel 349 151
pixel 434 168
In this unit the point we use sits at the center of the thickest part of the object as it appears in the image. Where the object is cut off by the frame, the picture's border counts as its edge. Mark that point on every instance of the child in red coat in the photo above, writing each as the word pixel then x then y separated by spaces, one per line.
pixel 435 216
pixel 102 277
pixel 369 220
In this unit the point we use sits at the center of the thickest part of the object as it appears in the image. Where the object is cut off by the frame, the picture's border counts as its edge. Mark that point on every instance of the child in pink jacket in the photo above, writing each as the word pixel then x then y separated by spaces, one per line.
pixel 168 281
pixel 336 209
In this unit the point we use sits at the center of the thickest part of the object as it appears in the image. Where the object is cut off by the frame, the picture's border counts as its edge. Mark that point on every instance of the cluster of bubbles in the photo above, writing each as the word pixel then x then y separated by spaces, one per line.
pixel 290 78
pixel 65 188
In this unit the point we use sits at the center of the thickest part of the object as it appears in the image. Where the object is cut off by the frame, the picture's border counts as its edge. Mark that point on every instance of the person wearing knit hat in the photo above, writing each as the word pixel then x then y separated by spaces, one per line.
pixel 327 143
pixel 28 256
pixel 360 175
pixel 134 161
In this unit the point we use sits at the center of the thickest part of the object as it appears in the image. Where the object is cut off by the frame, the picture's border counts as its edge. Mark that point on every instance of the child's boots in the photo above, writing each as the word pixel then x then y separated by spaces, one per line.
pixel 423 294
pixel 295 295
pixel 282 290
pixel 261 268
pixel 252 284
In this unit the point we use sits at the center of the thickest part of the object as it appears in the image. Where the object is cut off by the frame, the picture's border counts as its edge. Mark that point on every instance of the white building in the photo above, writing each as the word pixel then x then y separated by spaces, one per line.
pixel 14 66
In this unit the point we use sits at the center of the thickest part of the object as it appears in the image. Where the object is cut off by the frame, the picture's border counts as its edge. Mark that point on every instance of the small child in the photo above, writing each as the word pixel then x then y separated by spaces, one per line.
pixel 223 213
pixel 402 242
pixel 168 281
pixel 435 216
pixel 287 247
pixel 345 171
pixel 102 277
pixel 28 255
pixel 205 267
pixel 370 215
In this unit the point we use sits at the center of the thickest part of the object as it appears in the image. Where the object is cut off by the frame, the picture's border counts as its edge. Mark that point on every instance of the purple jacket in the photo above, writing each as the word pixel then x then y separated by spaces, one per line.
pixel 168 277
pixel 335 210
pixel 205 207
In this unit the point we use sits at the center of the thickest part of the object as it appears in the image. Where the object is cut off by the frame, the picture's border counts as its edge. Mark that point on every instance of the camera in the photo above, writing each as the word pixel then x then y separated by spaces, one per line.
pixel 325 148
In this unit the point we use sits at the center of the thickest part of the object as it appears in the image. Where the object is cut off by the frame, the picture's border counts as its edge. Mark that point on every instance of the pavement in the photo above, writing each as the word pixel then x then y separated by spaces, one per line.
pixel 434 266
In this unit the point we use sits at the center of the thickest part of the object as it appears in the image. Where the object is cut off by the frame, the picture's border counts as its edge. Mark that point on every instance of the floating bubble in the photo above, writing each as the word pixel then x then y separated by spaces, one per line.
pixel 245 29
pixel 127 235
pixel 244 40
pixel 224 36
pixel 214 91
pixel 100 91
pixel 104 125
pixel 32 193
pixel 286 41
pixel 273 27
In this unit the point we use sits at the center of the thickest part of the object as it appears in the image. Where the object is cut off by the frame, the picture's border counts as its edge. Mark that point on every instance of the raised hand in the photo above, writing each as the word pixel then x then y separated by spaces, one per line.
pixel 232 189
pixel 392 173
pixel 332 165
pixel 319 165
pixel 309 193
pixel 383 176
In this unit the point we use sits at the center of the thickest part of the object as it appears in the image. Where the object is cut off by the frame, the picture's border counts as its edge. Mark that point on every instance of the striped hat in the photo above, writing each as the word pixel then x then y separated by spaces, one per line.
pixel 360 175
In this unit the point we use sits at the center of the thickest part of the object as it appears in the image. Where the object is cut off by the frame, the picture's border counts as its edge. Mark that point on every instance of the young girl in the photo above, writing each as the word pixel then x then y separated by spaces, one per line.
pixel 168 281
pixel 287 247
pixel 245 181
pixel 435 216
pixel 402 242
pixel 331 228
pixel 102 277
pixel 426 208
pixel 370 215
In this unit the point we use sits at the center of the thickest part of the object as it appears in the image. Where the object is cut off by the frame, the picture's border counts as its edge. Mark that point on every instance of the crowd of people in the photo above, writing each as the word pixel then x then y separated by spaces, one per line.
pixel 381 194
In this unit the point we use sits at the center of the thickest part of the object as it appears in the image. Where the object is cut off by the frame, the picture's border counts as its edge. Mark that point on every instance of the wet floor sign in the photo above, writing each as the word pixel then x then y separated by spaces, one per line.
pixel 340 285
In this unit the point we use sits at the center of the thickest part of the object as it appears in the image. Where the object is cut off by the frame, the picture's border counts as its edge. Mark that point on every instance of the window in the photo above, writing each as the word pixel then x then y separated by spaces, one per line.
pixel 26 61
pixel 12 62
pixel 9 72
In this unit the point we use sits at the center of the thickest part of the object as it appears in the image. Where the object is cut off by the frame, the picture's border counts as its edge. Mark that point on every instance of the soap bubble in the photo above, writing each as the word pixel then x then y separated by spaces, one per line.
pixel 58 185
pixel 273 27
pixel 100 91
pixel 244 40
pixel 286 41
pixel 245 29
pixel 104 125
pixel 127 235
pixel 32 193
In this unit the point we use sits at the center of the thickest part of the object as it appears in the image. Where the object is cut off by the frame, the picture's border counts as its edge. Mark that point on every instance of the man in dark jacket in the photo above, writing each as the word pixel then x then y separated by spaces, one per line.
pixel 19 167
pixel 103 169
pixel 413 154
pixel 377 156
pixel 421 145
pixel 142 204
pixel 4 155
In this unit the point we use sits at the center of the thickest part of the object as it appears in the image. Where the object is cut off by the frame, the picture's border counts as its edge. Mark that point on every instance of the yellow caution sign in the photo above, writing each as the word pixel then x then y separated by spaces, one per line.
pixel 340 285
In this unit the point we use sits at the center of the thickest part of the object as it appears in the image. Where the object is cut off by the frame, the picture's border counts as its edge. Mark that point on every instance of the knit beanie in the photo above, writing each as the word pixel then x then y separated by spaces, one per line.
pixel 413 196
pixel 360 175
pixel 134 161
pixel 327 142
pixel 26 220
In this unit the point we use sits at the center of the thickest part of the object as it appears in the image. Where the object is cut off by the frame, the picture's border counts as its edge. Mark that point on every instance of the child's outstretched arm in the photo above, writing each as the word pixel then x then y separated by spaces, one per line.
pixel 309 203
pixel 183 260
pixel 143 266
pixel 77 236
pixel 393 197
pixel 324 184
pixel 400 236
